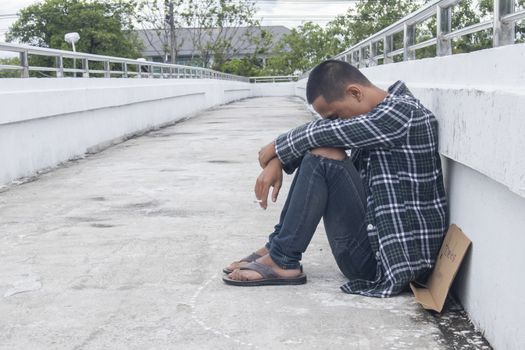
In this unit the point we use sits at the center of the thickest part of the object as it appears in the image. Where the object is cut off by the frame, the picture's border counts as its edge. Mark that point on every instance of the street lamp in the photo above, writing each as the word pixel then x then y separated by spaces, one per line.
pixel 72 38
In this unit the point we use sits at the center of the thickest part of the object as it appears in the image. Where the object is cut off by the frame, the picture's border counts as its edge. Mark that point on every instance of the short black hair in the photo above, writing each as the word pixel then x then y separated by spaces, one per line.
pixel 330 78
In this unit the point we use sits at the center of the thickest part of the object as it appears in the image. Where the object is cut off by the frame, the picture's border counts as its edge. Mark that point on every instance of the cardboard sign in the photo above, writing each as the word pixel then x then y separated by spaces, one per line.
pixel 454 247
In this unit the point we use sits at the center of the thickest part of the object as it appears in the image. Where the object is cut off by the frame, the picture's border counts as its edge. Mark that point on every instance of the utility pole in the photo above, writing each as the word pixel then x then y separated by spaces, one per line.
pixel 170 21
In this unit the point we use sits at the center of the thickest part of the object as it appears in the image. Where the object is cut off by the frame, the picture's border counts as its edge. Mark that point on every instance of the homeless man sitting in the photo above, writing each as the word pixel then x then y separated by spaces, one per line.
pixel 384 207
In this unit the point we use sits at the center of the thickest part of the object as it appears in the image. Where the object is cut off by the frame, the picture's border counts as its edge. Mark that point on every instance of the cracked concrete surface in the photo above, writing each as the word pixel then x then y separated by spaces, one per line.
pixel 124 250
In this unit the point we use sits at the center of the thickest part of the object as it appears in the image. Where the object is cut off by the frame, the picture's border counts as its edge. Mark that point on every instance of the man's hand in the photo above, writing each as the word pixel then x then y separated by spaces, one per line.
pixel 271 176
pixel 266 154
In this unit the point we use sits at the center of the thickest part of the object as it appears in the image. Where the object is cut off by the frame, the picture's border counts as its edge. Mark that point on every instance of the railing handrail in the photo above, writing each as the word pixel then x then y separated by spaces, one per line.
pixel 418 16
pixel 274 78
pixel 365 53
pixel 187 71
pixel 502 21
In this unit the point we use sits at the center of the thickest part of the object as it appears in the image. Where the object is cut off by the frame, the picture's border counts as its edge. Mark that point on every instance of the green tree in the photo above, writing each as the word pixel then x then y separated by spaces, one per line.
pixel 105 27
pixel 310 44
pixel 465 13
pixel 9 62
pixel 245 66
pixel 520 26
pixel 252 65
pixel 301 49
pixel 470 12
pixel 369 17
pixel 487 6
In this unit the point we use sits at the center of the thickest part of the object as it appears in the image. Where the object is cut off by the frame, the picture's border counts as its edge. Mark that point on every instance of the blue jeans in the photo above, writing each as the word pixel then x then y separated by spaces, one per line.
pixel 333 190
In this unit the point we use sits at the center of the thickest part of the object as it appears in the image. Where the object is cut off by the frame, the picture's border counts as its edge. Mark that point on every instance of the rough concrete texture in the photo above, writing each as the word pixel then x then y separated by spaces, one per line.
pixel 124 250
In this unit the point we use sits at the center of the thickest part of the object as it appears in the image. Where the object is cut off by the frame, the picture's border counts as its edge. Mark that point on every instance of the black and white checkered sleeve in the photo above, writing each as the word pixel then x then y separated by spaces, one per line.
pixel 385 127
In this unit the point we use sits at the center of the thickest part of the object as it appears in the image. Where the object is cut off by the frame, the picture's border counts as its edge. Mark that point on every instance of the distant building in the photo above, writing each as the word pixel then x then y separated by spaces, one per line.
pixel 185 38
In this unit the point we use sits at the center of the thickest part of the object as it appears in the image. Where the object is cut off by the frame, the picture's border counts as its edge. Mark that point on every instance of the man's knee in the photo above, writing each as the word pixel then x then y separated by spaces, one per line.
pixel 330 153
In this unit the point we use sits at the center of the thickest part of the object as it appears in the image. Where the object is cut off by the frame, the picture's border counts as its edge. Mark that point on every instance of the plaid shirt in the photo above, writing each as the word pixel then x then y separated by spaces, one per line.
pixel 395 149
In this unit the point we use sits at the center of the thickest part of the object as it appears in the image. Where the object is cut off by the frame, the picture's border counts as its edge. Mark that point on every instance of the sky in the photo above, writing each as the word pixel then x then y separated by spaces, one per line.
pixel 9 7
pixel 290 13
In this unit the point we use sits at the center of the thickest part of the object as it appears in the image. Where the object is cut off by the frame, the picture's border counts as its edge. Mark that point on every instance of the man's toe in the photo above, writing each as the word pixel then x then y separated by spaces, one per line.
pixel 244 275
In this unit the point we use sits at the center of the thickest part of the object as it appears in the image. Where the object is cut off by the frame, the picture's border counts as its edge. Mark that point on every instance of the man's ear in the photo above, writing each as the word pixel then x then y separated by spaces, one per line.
pixel 354 91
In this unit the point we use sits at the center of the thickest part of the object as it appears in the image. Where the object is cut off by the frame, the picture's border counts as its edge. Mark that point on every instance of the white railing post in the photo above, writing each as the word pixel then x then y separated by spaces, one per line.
pixel 503 32
pixel 362 62
pixel 24 62
pixel 107 73
pixel 388 46
pixel 59 63
pixel 85 68
pixel 409 39
pixel 443 26
pixel 372 54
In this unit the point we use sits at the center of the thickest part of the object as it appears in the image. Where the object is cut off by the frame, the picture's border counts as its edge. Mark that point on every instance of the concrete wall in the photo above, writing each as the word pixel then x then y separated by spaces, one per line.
pixel 279 89
pixel 479 99
pixel 47 121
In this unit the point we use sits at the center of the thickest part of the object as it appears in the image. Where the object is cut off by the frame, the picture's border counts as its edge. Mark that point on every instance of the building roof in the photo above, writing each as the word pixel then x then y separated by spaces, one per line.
pixel 153 44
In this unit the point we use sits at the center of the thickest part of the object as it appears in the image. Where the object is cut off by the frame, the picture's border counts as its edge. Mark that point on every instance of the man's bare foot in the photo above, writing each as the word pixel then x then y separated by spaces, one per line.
pixel 235 265
pixel 249 275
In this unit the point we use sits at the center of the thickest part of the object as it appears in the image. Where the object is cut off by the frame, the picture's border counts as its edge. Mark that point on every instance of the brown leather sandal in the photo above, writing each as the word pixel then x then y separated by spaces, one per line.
pixel 268 277
pixel 250 258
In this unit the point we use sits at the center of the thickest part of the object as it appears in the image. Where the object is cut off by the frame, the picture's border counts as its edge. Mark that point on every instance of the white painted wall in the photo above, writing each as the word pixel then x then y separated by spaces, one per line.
pixel 274 89
pixel 490 283
pixel 479 100
pixel 47 121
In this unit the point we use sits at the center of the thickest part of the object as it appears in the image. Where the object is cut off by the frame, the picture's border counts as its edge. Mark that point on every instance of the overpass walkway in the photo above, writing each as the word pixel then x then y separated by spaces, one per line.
pixel 124 250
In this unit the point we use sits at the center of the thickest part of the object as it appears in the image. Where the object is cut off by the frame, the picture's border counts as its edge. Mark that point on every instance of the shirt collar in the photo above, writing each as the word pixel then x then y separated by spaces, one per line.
pixel 399 88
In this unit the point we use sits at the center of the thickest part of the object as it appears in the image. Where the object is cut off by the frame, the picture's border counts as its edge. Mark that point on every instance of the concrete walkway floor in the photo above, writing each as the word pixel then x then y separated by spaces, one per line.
pixel 124 250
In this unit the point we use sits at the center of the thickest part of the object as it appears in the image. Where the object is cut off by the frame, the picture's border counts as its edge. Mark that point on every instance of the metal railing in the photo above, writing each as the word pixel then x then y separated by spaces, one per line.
pixel 366 53
pixel 107 66
pixel 274 79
